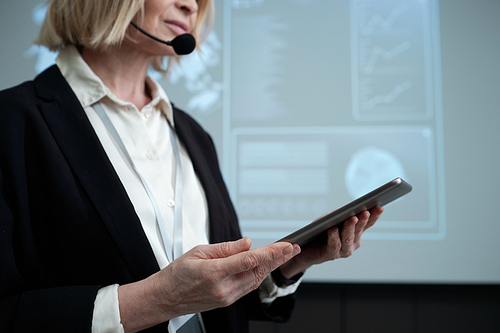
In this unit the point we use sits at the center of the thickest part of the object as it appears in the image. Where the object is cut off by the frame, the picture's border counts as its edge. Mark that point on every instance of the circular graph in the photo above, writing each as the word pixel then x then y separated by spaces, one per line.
pixel 369 168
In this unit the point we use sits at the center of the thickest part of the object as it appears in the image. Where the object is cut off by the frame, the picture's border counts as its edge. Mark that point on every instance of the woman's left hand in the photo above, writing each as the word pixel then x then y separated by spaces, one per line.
pixel 339 244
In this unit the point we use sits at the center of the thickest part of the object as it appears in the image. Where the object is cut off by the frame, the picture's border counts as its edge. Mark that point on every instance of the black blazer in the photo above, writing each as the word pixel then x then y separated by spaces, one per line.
pixel 67 226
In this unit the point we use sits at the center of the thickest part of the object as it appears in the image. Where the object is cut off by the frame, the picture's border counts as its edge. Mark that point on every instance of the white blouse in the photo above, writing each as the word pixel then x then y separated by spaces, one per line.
pixel 145 134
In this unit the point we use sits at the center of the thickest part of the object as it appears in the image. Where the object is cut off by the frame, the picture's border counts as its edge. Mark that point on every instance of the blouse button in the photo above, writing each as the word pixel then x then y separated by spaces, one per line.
pixel 170 203
pixel 150 154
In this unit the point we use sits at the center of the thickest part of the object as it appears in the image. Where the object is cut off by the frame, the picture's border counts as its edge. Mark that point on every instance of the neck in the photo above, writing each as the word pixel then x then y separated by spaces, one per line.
pixel 122 71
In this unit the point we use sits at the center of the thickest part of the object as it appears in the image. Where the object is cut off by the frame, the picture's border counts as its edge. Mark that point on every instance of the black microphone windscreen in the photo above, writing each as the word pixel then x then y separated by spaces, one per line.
pixel 183 44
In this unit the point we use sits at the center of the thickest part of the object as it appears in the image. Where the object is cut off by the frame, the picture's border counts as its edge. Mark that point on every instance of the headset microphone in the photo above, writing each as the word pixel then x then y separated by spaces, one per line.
pixel 182 44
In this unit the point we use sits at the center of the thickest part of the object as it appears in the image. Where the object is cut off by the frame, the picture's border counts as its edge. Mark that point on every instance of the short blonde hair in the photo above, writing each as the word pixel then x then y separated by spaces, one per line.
pixel 99 24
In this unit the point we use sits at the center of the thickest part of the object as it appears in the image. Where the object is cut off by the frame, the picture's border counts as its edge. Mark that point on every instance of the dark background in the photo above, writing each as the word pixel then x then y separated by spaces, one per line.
pixel 391 308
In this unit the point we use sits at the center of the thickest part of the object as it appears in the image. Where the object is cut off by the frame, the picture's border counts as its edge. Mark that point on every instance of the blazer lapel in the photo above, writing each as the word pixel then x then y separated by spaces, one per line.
pixel 83 151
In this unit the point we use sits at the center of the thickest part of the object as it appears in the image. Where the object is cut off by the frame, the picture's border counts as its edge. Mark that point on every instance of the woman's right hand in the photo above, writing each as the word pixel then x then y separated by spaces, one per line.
pixel 204 278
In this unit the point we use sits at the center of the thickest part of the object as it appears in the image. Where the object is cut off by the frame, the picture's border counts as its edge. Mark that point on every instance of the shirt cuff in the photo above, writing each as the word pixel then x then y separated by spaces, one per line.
pixel 106 316
pixel 269 291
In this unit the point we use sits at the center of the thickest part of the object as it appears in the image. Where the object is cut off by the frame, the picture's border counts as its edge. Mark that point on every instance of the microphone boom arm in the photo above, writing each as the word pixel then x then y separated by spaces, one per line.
pixel 182 44
pixel 149 35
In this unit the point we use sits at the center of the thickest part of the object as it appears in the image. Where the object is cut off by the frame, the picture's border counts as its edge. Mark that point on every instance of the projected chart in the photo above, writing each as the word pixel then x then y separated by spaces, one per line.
pixel 392 60
pixel 285 177
pixel 290 161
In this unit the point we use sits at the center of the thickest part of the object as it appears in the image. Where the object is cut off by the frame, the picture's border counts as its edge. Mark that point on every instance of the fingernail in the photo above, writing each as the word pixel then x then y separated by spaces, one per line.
pixel 287 250
pixel 242 242
pixel 296 249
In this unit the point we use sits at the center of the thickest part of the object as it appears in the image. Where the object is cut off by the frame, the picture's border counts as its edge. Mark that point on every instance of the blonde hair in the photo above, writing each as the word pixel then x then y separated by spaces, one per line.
pixel 99 24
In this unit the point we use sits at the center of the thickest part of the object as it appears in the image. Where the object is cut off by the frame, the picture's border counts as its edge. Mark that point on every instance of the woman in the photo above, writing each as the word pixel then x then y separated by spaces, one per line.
pixel 110 195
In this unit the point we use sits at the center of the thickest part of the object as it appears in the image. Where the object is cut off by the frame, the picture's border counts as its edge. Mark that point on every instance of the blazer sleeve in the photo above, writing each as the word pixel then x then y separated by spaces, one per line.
pixel 23 309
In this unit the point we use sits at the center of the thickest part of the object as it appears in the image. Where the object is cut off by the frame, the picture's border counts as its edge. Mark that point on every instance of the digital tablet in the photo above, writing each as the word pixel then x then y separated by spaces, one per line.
pixel 316 230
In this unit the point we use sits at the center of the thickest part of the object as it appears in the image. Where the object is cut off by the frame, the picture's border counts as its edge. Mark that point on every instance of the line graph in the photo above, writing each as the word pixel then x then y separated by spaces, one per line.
pixel 389 46
pixel 385 24
pixel 379 52
pixel 390 97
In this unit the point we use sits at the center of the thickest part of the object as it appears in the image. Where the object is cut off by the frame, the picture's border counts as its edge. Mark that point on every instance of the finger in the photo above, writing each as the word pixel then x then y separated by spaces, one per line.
pixel 225 250
pixel 375 214
pixel 253 278
pixel 334 243
pixel 360 227
pixel 347 237
pixel 271 256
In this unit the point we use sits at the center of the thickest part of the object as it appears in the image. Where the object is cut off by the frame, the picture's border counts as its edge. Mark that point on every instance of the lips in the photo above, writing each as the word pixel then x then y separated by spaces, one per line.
pixel 177 27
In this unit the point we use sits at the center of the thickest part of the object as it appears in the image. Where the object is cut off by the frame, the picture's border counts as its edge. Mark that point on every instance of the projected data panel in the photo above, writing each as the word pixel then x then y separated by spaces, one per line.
pixel 309 134
pixel 285 178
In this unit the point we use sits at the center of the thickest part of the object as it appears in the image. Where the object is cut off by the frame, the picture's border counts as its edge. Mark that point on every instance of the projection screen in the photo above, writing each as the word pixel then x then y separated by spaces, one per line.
pixel 312 103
